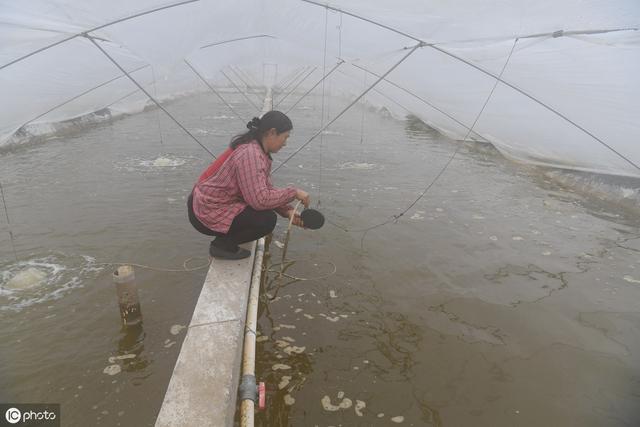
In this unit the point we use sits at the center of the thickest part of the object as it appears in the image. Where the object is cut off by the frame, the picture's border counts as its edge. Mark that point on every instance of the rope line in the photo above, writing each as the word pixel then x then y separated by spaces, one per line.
pixel 236 40
pixel 155 93
pixel 396 217
pixel 284 264
pixel 340 62
pixel 148 94
pixel 418 98
pixel 489 73
pixel 6 212
pixel 295 87
pixel 240 90
pixel 246 85
pixel 84 33
pixel 184 268
pixel 296 76
pixel 324 71
pixel 81 95
pixel 349 106
pixel 235 113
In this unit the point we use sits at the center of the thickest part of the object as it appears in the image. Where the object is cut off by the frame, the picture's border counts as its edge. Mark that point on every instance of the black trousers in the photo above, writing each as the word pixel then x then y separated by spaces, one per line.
pixel 247 226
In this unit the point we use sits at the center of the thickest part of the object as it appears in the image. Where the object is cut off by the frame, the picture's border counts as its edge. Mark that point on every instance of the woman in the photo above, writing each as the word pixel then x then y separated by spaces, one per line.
pixel 234 199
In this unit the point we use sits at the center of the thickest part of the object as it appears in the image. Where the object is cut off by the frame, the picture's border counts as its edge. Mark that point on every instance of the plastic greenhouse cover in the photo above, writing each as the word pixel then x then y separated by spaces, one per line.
pixel 568 95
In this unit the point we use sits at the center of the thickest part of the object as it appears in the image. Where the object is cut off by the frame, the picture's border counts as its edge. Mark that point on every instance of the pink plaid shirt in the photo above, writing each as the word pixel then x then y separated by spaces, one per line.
pixel 242 180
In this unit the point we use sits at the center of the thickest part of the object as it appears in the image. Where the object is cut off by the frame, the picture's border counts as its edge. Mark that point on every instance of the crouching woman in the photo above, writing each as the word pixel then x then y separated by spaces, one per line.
pixel 234 198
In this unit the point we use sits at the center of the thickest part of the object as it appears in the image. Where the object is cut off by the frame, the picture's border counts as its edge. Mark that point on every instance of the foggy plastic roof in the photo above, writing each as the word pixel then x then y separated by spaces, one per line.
pixel 569 94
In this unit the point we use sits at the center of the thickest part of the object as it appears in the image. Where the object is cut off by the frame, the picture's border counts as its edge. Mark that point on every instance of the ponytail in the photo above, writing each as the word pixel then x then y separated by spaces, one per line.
pixel 259 126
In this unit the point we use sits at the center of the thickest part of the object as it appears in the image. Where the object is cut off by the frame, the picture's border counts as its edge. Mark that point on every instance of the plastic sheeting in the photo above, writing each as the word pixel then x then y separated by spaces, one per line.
pixel 572 98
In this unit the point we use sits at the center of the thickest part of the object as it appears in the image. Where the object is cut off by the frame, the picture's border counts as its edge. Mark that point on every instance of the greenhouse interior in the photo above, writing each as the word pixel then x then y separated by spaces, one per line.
pixel 476 166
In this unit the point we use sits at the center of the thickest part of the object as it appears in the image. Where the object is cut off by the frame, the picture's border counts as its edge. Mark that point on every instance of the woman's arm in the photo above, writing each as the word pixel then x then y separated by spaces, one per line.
pixel 254 185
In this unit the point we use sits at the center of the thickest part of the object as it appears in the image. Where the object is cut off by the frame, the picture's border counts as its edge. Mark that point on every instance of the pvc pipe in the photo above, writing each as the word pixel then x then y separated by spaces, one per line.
pixel 247 406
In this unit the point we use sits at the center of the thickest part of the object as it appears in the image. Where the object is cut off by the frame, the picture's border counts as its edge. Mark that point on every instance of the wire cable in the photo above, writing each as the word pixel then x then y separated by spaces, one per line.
pixel 184 268
pixel 6 212
pixel 489 73
pixel 295 87
pixel 99 27
pixel 396 217
pixel 235 113
pixel 240 90
pixel 148 94
pixel 340 62
pixel 349 106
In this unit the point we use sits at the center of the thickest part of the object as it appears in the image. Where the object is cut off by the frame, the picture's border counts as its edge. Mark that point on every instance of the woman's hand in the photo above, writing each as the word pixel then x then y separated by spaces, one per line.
pixel 296 218
pixel 303 196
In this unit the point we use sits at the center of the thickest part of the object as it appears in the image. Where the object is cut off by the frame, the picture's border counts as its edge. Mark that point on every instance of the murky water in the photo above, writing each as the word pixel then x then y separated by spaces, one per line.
pixel 501 298
pixel 111 193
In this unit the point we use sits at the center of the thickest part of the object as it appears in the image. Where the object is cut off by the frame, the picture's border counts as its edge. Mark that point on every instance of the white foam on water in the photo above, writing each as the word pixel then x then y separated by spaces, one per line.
pixel 113 359
pixel 357 166
pixel 25 279
pixel 160 163
pixel 346 403
pixel 202 131
pixel 112 370
pixel 163 162
pixel 280 366
pixel 176 329
pixel 284 382
pixel 220 117
pixel 294 349
pixel 37 280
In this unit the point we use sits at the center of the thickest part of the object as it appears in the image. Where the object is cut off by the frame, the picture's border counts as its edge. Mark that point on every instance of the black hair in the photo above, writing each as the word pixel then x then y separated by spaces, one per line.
pixel 259 126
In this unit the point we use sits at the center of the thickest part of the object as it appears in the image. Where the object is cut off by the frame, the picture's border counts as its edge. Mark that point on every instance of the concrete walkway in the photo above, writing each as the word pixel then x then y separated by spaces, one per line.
pixel 203 388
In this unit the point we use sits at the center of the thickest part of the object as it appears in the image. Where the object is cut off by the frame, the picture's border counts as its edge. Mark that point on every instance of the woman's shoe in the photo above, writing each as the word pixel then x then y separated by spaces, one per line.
pixel 219 253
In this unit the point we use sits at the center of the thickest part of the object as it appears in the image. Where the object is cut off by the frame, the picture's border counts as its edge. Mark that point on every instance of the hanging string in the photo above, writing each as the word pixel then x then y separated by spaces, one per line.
pixel 240 90
pixel 155 93
pixel 385 96
pixel 554 34
pixel 340 62
pixel 364 108
pixel 396 217
pixel 90 38
pixel 292 81
pixel 295 87
pixel 424 101
pixel 284 265
pixel 235 113
pixel 413 49
pixel 340 37
pixel 6 212
pixel 185 266
pixel 324 71
pixel 246 85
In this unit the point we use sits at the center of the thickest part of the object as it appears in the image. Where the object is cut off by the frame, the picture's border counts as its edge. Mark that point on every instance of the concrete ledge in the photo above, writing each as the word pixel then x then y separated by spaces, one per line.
pixel 204 385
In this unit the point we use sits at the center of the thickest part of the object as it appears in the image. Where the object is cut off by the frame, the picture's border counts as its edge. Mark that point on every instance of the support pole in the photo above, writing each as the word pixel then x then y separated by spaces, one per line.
pixel 127 291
